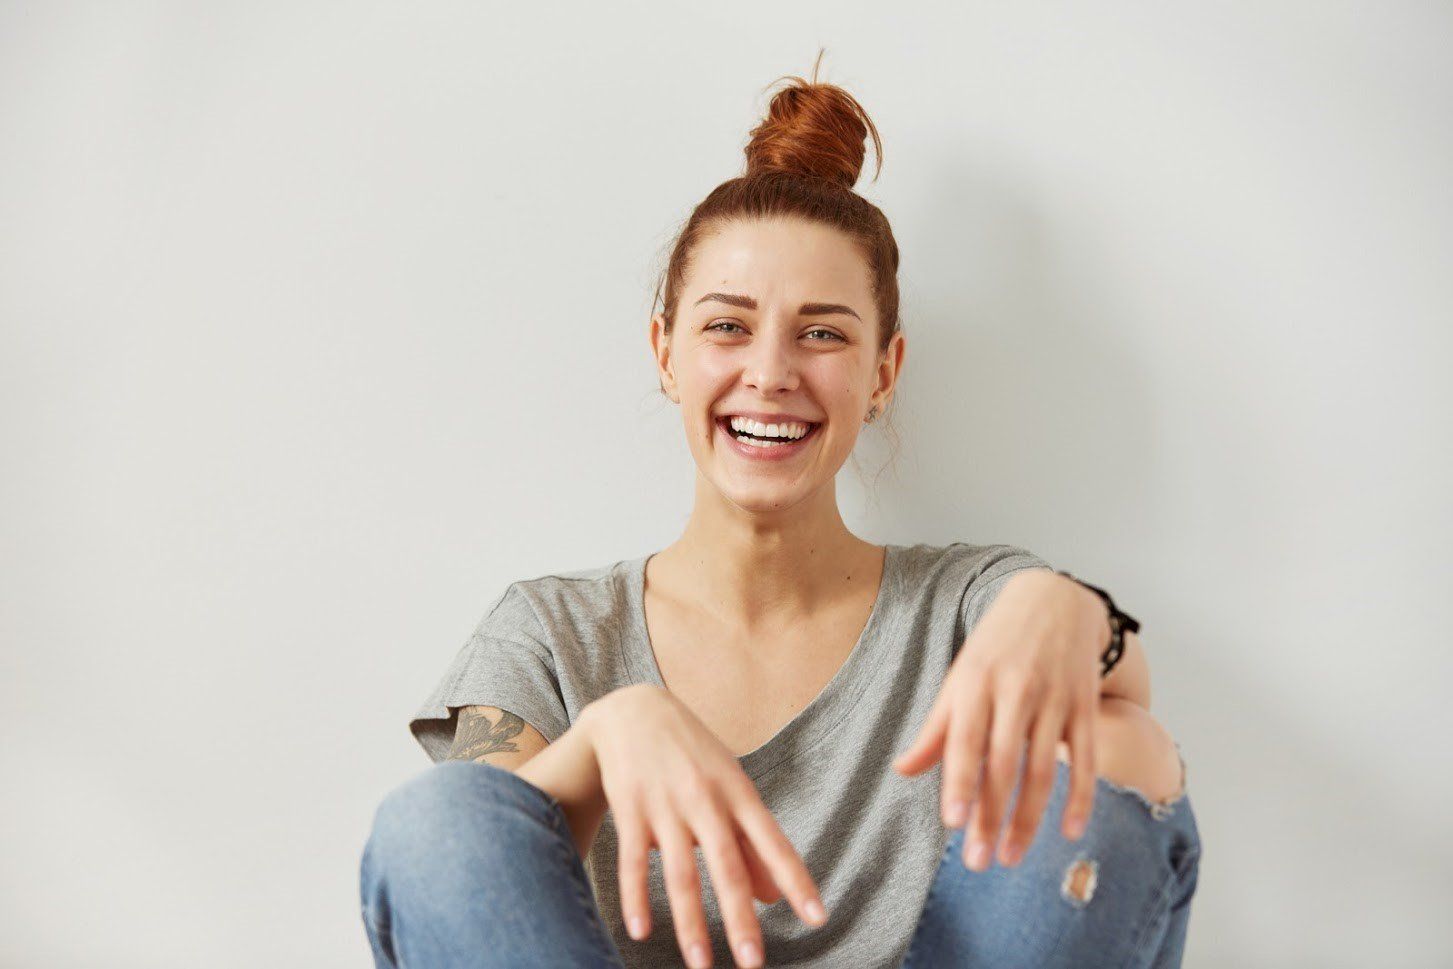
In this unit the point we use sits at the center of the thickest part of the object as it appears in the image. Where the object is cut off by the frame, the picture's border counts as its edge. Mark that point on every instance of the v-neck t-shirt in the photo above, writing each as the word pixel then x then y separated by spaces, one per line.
pixel 871 838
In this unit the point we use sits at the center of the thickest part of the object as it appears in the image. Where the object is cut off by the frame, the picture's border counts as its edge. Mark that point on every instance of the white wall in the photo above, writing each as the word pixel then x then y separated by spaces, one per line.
pixel 322 323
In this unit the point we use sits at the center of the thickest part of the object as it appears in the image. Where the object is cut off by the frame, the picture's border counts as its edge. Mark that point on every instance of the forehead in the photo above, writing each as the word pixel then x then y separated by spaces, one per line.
pixel 779 259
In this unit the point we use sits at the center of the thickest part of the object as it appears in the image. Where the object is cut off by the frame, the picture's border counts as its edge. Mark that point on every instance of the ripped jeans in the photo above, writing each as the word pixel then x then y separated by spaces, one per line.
pixel 471 865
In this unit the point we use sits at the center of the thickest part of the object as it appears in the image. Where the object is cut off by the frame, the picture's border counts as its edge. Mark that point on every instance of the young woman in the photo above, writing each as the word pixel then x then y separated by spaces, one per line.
pixel 783 719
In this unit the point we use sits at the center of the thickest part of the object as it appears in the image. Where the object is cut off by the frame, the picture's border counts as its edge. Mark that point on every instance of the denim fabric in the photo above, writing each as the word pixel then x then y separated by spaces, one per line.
pixel 1119 896
pixel 471 865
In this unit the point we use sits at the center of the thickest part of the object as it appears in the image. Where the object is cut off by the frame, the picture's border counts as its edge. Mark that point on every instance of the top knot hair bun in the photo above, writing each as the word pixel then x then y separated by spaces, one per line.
pixel 802 163
pixel 813 129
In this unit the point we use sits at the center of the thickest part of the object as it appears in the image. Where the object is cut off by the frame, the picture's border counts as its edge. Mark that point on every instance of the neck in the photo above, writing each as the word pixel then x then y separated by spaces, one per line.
pixel 753 568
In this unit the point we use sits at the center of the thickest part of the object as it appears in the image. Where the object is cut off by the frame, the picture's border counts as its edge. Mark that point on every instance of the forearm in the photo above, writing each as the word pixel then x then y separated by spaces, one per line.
pixel 567 770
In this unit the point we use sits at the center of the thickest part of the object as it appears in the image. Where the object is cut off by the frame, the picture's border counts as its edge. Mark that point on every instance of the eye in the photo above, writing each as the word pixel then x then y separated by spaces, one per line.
pixel 721 323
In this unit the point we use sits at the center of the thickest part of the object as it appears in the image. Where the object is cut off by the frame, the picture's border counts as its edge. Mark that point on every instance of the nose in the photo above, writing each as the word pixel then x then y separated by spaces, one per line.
pixel 770 368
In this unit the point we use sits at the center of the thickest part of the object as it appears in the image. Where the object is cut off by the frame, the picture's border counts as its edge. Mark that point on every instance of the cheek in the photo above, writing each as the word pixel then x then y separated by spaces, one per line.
pixel 704 369
pixel 837 384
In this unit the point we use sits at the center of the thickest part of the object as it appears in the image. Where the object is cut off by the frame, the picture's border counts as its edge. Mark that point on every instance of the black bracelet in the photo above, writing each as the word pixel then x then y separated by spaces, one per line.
pixel 1120 624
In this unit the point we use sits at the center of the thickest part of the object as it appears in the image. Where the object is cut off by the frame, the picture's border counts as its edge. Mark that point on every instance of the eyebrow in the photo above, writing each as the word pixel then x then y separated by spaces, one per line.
pixel 806 309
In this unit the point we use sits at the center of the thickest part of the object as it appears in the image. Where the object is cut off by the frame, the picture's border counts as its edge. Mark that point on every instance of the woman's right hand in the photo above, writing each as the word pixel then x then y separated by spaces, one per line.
pixel 672 784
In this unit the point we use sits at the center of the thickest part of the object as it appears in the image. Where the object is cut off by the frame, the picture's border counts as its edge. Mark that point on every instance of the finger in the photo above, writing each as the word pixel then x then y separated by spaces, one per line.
pixel 716 833
pixel 683 889
pixel 764 888
pixel 1081 799
pixel 633 839
pixel 1006 744
pixel 1036 784
pixel 963 760
pixel 786 867
pixel 927 747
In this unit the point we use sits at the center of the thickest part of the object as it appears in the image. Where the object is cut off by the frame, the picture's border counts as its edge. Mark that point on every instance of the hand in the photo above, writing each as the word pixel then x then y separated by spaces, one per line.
pixel 672 784
pixel 1029 668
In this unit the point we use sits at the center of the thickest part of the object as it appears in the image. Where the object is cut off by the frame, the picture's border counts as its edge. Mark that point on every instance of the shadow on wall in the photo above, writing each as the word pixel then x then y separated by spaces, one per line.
pixel 1012 378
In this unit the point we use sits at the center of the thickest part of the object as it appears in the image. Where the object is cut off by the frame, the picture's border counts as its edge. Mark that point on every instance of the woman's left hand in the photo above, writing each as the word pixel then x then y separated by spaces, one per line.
pixel 1030 669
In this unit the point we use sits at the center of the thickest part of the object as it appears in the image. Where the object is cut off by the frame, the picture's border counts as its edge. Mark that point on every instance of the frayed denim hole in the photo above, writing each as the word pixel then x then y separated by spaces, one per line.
pixel 1160 811
pixel 1079 891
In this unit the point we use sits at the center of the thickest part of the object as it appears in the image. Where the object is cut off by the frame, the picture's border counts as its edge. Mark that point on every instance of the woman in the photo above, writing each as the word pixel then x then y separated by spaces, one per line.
pixel 773 708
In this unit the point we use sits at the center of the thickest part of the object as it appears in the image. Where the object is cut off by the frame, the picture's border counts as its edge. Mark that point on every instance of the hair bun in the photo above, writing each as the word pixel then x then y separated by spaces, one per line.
pixel 813 129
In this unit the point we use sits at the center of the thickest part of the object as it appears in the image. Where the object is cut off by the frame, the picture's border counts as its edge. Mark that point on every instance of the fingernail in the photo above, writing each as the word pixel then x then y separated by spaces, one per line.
pixel 979 856
pixel 700 958
pixel 749 953
pixel 815 912
pixel 957 814
pixel 1077 826
pixel 637 927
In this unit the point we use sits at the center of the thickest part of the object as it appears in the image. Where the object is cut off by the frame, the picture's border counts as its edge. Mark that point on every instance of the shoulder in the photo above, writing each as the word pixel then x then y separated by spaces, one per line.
pixel 570 596
pixel 968 562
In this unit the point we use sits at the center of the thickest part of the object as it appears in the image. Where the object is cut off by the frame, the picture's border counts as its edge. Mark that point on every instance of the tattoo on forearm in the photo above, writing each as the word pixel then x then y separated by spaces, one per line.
pixel 477 735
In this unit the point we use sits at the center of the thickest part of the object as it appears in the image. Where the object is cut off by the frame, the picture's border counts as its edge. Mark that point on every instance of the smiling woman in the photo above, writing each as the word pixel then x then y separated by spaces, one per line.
pixel 743 692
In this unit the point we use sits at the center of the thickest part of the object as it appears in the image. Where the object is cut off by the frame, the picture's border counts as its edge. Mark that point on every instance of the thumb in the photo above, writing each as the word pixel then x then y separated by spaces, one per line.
pixel 927 748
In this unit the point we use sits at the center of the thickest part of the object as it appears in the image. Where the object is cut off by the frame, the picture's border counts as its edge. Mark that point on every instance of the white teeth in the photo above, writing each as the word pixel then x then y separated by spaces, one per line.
pixel 787 431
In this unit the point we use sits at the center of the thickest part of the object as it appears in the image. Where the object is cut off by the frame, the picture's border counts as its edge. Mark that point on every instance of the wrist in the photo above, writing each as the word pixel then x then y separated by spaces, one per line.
pixel 1119 623
pixel 1099 620
pixel 1094 613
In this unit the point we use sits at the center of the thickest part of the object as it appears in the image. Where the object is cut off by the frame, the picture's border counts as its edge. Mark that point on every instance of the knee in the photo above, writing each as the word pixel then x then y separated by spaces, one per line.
pixel 1133 749
pixel 435 813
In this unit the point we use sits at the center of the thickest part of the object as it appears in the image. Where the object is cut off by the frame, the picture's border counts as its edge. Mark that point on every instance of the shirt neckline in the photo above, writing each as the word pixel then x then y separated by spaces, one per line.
pixel 823 713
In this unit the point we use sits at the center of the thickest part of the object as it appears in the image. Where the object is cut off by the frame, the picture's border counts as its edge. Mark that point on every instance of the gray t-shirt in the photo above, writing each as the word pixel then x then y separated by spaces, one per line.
pixel 870 837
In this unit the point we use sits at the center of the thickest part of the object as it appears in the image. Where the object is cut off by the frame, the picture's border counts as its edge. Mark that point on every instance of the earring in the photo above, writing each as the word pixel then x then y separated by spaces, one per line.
pixel 872 413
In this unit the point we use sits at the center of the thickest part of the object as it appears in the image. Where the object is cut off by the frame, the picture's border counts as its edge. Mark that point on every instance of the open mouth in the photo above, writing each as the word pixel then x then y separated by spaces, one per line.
pixel 766 441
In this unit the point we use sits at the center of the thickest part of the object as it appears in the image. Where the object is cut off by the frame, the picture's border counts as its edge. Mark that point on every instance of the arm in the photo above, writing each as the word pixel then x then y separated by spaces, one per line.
pixel 489 735
pixel 1130 679
pixel 566 769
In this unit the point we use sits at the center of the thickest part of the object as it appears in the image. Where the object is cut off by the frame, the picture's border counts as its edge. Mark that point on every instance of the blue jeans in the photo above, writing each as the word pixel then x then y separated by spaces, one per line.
pixel 471 865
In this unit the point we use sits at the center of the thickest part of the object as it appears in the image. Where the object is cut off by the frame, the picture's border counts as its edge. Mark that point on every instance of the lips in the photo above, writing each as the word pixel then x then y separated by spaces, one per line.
pixel 768 452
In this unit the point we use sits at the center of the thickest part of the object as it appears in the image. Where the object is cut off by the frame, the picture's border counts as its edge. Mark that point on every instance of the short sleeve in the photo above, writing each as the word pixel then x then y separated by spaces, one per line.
pixel 991 567
pixel 505 663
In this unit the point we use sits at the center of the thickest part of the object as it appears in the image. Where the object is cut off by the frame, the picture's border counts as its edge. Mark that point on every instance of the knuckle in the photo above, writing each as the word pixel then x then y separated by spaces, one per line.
pixel 633 863
pixel 733 875
pixel 1040 774
pixel 692 788
pixel 679 869
pixel 1003 763
pixel 1020 686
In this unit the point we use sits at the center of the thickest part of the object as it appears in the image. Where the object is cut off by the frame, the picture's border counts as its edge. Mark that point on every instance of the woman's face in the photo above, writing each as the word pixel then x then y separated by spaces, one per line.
pixel 775 323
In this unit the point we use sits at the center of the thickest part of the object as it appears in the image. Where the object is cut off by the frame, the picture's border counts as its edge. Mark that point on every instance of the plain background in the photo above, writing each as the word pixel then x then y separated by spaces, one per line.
pixel 323 323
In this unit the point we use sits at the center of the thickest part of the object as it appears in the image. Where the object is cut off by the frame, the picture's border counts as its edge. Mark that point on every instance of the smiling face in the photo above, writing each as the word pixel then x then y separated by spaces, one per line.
pixel 775 322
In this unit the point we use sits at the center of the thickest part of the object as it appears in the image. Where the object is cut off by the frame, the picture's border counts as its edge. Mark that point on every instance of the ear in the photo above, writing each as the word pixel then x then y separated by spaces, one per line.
pixel 890 368
pixel 661 350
